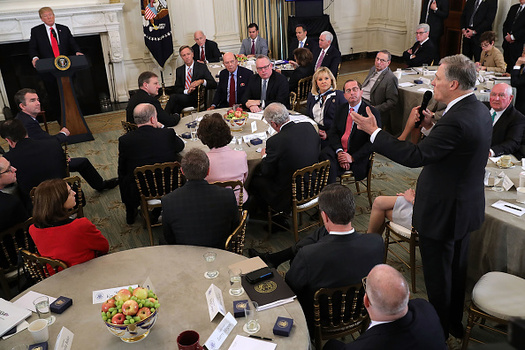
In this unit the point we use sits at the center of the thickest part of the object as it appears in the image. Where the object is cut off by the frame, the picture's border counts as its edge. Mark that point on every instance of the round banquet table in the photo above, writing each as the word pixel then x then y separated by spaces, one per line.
pixel 498 244
pixel 177 274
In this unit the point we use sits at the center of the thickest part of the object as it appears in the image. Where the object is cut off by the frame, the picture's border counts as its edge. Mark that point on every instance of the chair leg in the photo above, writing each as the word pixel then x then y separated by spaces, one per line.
pixel 145 213
pixel 470 324
pixel 269 222
pixel 295 225
pixel 413 263
pixel 387 240
pixel 369 190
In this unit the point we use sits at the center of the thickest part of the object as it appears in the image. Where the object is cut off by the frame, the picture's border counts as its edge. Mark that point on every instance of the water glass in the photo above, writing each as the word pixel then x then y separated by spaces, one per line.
pixel 520 196
pixel 235 282
pixel 498 182
pixel 211 270
pixel 43 310
pixel 252 323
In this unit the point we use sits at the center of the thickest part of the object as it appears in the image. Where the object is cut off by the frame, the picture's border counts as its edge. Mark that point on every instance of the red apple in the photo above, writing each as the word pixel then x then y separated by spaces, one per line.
pixel 238 114
pixel 123 295
pixel 108 304
pixel 153 300
pixel 144 312
pixel 118 318
pixel 239 109
pixel 140 293
pixel 230 111
pixel 130 307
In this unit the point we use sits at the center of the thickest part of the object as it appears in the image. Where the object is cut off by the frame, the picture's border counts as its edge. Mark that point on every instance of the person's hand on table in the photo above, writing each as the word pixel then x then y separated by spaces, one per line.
pixel 253 105
pixel 367 124
pixel 322 134
pixel 211 108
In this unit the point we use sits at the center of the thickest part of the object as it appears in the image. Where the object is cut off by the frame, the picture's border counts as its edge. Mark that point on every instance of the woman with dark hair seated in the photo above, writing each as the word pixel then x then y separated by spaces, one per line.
pixel 304 59
pixel 323 100
pixel 226 164
pixel 491 58
pixel 55 234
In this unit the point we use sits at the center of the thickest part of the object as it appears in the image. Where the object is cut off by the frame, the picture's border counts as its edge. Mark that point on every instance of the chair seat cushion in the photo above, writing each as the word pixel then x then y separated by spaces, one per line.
pixel 154 202
pixel 500 294
pixel 401 230
pixel 308 204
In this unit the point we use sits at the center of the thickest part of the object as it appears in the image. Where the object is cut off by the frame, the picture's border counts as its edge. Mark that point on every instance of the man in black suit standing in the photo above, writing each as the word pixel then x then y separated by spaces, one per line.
pixel 12 209
pixel 517 80
pixel 476 19
pixel 48 40
pixel 199 213
pixel 349 148
pixel 295 146
pixel 205 50
pixel 397 323
pixel 340 258
pixel 423 51
pixel 327 55
pixel 149 144
pixel 265 87
pixel 188 78
pixel 233 82
pixel 514 34
pixel 508 123
pixel 301 40
pixel 148 90
pixel 450 197
pixel 434 13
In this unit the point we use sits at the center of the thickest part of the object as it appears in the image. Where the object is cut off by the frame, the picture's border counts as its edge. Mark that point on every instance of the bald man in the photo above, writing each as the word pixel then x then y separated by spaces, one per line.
pixel 205 50
pixel 396 322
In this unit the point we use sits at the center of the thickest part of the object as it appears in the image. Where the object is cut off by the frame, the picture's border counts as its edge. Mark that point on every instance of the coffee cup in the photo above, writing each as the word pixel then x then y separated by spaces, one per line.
pixel 39 330
pixel 506 161
pixel 520 197
pixel 189 340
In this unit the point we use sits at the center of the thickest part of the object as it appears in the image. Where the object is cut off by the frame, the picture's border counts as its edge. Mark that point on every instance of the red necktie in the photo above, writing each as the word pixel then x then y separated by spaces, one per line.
pixel 231 98
pixel 348 130
pixel 54 42
pixel 320 60
pixel 253 46
pixel 188 79
pixel 203 58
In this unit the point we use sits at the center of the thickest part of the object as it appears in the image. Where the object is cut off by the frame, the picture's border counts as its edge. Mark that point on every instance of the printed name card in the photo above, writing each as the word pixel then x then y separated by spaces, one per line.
pixel 100 296
pixel 220 333
pixel 215 301
pixel 64 339
pixel 254 126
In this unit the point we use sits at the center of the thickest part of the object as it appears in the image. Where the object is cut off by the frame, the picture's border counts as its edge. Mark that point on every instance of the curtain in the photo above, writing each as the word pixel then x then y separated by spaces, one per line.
pixel 272 18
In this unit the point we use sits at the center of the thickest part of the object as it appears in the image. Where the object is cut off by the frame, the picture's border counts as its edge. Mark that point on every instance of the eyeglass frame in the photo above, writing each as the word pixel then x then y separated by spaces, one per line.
pixel 8 170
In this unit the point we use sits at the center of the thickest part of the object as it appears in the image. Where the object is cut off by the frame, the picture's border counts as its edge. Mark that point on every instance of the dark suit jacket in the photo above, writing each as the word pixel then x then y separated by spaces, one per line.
pixel 334 261
pixel 517 80
pixel 450 197
pixel 298 74
pixel 211 50
pixel 311 44
pixel 220 99
pixel 483 17
pixel 435 19
pixel 329 107
pixel 36 161
pixel 507 133
pixel 294 147
pixel 384 93
pixel 144 146
pixel 40 45
pixel 425 54
pixel 199 214
pixel 34 130
pixel 276 91
pixel 359 146
pixel 142 96
pixel 12 209
pixel 200 71
pixel 331 59
pixel 418 329
pixel 516 28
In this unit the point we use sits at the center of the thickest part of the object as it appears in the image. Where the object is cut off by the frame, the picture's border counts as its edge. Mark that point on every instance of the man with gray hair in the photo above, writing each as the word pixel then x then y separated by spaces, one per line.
pixel 450 197
pixel 396 322
pixel 295 146
pixel 149 144
pixel 327 55
pixel 199 213
pixel 423 51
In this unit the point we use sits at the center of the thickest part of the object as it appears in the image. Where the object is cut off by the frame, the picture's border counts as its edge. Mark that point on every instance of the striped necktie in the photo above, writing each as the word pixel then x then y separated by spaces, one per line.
pixel 188 79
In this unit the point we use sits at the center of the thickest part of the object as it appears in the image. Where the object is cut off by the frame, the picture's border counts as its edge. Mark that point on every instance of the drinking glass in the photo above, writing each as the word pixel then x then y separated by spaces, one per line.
pixel 250 312
pixel 498 182
pixel 42 308
pixel 211 270
pixel 235 282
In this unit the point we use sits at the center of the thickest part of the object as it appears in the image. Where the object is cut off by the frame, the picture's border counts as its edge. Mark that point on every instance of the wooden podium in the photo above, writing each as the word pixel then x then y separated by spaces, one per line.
pixel 63 68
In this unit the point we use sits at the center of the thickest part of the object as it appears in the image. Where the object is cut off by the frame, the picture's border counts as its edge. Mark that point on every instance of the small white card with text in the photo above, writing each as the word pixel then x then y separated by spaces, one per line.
pixel 64 339
pixel 220 333
pixel 215 301
pixel 100 296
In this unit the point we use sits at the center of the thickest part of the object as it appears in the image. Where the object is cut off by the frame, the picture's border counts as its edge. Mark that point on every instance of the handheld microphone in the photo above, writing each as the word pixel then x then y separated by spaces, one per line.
pixel 426 99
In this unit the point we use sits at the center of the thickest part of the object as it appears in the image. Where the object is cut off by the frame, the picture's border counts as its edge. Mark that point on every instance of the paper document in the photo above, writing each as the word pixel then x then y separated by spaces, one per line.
pixel 242 343
pixel 509 208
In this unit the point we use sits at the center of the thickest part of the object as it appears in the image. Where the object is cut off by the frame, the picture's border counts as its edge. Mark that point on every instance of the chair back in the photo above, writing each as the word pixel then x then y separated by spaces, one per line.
pixel 235 243
pixel 293 100
pixel 308 182
pixel 304 86
pixel 201 98
pixel 235 185
pixel 66 154
pixel 338 312
pixel 128 127
pixel 11 240
pixel 39 266
pixel 157 180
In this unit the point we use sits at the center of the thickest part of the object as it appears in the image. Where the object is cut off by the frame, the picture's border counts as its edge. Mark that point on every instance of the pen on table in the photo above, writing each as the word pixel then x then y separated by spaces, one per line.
pixel 511 207
pixel 248 144
pixel 257 337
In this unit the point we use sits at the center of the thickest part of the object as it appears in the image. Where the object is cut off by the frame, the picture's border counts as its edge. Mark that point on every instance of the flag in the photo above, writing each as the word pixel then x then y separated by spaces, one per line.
pixel 157 29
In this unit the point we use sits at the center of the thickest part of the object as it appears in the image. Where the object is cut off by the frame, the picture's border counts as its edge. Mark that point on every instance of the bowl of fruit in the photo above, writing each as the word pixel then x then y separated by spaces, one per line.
pixel 236 118
pixel 131 313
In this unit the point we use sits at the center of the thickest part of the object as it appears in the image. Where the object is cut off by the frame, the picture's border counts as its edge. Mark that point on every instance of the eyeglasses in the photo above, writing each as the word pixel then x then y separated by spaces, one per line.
pixel 264 67
pixel 381 60
pixel 485 44
pixel 354 89
pixel 420 33
pixel 8 170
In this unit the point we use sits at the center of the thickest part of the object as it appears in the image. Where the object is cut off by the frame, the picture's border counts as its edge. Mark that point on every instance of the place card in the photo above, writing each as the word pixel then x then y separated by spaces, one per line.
pixel 254 126
pixel 220 333
pixel 147 284
pixel 258 116
pixel 509 207
pixel 64 339
pixel 215 301
pixel 507 182
pixel 100 296
pixel 406 84
pixel 27 300
pixel 241 343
